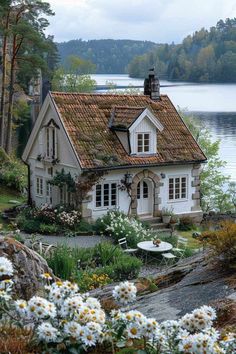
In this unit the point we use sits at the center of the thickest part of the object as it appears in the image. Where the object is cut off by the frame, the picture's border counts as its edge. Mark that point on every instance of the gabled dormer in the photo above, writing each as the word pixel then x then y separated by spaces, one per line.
pixel 137 129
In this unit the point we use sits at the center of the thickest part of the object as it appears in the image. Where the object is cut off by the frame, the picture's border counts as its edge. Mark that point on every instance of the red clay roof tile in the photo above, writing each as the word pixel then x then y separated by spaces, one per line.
pixel 86 118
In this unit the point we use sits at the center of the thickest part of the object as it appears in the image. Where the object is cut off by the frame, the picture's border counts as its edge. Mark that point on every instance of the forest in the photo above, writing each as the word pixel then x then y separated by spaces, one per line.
pixel 109 56
pixel 205 56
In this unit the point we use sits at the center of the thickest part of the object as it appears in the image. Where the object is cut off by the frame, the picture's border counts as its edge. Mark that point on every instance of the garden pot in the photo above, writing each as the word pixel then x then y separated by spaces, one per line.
pixel 166 219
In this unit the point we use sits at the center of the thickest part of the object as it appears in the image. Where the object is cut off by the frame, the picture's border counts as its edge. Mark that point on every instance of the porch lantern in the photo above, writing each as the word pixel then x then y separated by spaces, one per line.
pixel 128 179
pixel 163 176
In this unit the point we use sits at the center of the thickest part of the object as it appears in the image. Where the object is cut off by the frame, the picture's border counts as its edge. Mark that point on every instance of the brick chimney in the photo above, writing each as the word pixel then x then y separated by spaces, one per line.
pixel 152 86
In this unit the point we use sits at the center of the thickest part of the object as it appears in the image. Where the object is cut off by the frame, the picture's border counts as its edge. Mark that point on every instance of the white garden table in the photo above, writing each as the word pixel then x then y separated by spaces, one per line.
pixel 148 246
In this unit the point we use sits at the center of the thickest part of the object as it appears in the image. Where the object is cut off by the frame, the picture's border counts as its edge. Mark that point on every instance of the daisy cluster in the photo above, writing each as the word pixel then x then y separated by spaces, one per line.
pixel 66 317
pixel 125 292
pixel 69 218
pixel 6 272
pixel 121 225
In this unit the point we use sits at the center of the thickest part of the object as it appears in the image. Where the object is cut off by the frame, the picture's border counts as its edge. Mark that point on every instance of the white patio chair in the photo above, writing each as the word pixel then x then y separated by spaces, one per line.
pixel 43 248
pixel 180 248
pixel 123 244
pixel 168 258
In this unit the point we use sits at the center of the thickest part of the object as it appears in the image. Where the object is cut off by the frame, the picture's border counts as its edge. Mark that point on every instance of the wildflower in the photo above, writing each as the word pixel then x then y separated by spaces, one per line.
pixel 47 333
pixel 21 307
pixel 46 276
pixel 133 331
pixel 88 338
pixel 125 292
pixel 40 308
pixel 4 295
pixel 73 329
pixel 6 267
pixel 93 303
pixel 197 344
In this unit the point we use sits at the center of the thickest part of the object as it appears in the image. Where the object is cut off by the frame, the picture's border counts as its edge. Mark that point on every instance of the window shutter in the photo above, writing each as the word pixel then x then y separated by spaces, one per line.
pixel 56 145
pixel 41 142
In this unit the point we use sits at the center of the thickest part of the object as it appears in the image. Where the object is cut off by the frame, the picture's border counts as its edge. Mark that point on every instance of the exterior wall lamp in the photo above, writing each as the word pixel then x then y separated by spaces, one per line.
pixel 128 179
pixel 163 175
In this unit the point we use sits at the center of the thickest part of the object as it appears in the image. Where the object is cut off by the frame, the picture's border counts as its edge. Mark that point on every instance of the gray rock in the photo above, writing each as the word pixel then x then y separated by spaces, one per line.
pixel 194 282
pixel 28 267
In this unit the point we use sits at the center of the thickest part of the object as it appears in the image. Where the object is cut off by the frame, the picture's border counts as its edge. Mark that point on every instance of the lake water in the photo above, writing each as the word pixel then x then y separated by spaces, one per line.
pixel 213 104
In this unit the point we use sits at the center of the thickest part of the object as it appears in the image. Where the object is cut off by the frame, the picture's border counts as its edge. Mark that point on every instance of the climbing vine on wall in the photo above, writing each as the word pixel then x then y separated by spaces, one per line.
pixel 62 179
pixel 85 183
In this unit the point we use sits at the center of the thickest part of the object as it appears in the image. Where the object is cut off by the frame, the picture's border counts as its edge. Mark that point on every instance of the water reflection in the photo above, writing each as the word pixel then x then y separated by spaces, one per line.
pixel 222 125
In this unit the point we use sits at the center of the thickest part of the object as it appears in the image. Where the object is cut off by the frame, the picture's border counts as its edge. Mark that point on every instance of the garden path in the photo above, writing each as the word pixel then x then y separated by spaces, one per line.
pixel 77 241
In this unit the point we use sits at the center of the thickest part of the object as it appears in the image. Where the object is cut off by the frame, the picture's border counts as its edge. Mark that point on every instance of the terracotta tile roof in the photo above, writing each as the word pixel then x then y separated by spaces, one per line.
pixel 86 118
pixel 123 116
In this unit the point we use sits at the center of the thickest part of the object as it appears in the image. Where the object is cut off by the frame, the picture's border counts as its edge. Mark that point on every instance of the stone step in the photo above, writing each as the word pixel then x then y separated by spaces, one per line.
pixel 159 225
pixel 164 230
pixel 152 220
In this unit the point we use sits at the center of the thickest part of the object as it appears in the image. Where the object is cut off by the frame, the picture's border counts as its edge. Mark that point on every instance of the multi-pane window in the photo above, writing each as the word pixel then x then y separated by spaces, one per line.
pixel 66 197
pixel 143 142
pixel 142 190
pixel 51 142
pixel 177 188
pixel 39 186
pixel 106 195
pixel 49 192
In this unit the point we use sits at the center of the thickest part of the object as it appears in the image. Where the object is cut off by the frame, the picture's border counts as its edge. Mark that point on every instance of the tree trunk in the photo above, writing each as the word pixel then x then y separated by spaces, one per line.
pixel 3 88
pixel 10 100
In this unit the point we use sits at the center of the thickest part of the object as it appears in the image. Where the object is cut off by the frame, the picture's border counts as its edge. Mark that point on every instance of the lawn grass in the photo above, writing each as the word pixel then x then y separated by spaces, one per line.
pixel 6 195
pixel 192 242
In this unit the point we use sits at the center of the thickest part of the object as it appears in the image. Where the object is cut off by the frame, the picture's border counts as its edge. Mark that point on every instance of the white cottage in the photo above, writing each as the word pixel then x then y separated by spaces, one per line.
pixel 144 154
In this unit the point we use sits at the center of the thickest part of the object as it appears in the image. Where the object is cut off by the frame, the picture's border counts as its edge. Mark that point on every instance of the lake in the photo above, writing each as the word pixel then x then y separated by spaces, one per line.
pixel 213 104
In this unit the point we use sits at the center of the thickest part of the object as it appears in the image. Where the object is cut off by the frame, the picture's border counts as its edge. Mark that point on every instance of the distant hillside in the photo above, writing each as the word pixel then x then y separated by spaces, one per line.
pixel 110 56
pixel 206 56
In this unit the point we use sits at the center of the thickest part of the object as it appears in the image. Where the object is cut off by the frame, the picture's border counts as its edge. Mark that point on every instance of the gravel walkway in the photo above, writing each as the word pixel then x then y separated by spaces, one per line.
pixel 77 241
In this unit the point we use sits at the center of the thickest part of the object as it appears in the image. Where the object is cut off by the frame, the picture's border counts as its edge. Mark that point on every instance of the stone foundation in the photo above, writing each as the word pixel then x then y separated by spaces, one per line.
pixel 197 216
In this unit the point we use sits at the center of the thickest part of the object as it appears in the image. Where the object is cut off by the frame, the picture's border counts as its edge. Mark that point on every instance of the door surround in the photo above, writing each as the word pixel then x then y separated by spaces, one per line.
pixel 146 174
pixel 145 197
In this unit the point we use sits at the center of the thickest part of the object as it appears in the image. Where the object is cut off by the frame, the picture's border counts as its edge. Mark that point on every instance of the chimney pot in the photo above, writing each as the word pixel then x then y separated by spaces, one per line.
pixel 152 86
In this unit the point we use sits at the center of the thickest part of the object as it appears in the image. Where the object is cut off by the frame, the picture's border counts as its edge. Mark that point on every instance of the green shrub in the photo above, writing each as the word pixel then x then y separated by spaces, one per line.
pixel 63 262
pixel 28 225
pixel 127 267
pixel 186 223
pixel 13 174
pixel 48 229
pixel 84 226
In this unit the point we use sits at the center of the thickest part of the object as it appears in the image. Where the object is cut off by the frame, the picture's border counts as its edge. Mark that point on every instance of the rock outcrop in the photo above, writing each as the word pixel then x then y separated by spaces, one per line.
pixel 28 266
pixel 194 282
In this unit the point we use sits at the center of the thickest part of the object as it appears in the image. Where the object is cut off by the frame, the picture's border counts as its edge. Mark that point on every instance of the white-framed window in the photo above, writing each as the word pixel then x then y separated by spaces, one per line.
pixel 51 143
pixel 178 188
pixel 66 197
pixel 48 192
pixel 143 143
pixel 106 195
pixel 39 186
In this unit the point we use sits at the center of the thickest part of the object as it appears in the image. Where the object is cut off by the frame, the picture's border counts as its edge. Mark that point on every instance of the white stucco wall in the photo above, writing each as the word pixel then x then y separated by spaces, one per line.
pixel 40 168
pixel 179 207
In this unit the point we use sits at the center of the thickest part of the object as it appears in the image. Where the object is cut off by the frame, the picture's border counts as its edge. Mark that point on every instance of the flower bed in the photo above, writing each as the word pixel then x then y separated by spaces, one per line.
pixel 65 320
pixel 93 267
pixel 48 220
pixel 118 225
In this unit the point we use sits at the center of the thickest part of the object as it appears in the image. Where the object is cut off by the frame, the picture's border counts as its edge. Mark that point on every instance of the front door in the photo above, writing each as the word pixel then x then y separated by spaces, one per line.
pixel 145 197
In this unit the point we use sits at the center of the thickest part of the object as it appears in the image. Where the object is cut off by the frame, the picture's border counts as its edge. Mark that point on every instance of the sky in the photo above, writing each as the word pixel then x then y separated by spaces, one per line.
pixel 161 21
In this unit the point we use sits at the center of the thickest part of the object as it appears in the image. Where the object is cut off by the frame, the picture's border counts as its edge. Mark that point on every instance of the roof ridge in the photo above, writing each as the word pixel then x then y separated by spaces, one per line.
pixel 103 94
pixel 129 107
